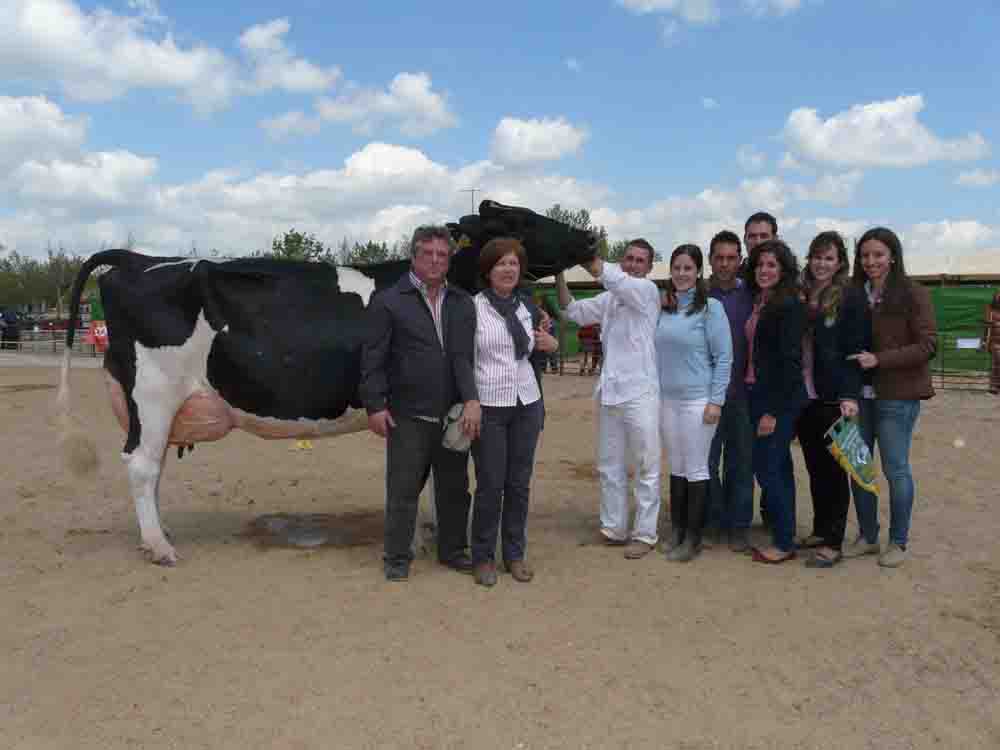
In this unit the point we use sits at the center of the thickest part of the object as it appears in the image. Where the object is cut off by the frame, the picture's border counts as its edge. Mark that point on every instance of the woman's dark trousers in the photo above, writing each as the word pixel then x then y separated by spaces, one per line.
pixel 505 456
pixel 828 482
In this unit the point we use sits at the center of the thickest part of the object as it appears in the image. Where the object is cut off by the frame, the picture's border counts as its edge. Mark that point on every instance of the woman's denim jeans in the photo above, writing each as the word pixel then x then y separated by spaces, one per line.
pixel 772 465
pixel 890 424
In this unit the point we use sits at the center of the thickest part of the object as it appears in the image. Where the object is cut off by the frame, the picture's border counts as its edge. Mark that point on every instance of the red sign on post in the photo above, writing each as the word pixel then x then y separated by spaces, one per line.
pixel 97 334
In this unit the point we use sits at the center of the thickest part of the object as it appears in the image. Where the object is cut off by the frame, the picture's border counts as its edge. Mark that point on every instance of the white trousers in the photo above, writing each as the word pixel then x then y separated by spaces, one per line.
pixel 628 435
pixel 686 437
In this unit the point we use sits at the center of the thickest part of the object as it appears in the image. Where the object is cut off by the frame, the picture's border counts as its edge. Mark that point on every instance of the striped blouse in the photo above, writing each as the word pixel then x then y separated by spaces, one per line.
pixel 501 379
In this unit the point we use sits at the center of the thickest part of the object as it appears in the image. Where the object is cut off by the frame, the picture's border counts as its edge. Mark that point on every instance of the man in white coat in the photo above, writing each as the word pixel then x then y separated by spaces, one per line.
pixel 627 393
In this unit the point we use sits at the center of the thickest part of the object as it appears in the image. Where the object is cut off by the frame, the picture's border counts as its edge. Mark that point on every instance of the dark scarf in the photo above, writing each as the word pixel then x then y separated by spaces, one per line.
pixel 508 310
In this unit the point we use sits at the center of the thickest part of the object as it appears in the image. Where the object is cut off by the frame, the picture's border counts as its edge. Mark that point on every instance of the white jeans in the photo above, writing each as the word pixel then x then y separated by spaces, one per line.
pixel 628 434
pixel 686 437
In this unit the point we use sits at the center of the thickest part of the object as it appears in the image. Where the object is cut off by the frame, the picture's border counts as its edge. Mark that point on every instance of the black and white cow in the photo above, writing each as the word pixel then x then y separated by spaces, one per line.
pixel 197 347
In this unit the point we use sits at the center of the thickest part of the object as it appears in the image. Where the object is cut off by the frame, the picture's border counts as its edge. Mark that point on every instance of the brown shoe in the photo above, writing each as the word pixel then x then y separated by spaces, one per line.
pixel 485 573
pixel 636 550
pixel 611 541
pixel 519 570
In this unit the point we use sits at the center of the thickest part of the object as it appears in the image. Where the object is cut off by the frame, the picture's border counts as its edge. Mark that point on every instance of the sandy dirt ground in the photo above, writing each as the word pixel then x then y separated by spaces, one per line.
pixel 246 645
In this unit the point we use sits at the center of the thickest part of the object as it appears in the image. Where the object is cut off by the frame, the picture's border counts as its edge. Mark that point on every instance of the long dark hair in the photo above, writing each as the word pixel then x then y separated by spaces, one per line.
pixel 700 287
pixel 788 283
pixel 829 298
pixel 896 294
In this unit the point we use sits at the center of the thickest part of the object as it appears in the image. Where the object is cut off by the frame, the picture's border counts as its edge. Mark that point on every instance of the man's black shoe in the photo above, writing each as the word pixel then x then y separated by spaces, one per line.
pixel 460 562
pixel 397 571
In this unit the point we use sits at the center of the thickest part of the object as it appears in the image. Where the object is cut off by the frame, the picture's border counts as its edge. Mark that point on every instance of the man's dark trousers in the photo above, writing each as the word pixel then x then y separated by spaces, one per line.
pixel 414 447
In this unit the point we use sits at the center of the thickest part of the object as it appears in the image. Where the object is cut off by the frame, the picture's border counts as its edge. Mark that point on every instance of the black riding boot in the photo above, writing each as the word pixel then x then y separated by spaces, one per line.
pixel 697 508
pixel 678 514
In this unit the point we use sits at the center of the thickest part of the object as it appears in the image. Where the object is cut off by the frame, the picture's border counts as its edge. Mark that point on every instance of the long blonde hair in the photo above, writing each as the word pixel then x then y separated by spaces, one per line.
pixel 831 297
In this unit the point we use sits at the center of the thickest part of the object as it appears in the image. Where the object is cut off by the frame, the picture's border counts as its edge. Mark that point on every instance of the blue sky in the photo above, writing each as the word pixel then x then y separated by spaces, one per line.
pixel 220 125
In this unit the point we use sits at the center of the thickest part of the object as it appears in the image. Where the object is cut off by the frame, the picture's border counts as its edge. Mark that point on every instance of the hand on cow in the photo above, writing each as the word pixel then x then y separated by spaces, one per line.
pixel 471 419
pixel 711 414
pixel 545 341
pixel 381 422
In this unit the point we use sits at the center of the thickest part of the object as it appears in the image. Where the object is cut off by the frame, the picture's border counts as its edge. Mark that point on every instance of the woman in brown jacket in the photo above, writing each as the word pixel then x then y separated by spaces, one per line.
pixel 903 342
pixel 991 323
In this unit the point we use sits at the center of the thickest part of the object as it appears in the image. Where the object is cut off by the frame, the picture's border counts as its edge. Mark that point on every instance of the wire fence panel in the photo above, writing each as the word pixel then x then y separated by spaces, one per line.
pixel 50 342
pixel 961 362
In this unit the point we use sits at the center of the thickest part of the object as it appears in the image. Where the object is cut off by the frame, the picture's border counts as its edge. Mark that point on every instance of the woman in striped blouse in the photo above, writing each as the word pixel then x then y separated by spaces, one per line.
pixel 512 412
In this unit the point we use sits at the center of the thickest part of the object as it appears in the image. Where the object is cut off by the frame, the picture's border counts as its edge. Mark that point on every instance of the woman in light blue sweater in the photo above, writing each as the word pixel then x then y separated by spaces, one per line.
pixel 694 353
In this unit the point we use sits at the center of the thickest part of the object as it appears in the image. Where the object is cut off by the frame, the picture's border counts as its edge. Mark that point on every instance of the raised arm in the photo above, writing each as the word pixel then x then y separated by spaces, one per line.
pixel 637 294
pixel 583 312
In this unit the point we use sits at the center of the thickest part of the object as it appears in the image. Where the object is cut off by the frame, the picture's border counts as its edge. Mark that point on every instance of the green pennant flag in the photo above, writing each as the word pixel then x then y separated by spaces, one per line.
pixel 852 453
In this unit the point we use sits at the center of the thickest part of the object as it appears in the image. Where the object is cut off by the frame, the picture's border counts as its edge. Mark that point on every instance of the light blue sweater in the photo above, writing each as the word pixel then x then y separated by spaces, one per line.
pixel 694 353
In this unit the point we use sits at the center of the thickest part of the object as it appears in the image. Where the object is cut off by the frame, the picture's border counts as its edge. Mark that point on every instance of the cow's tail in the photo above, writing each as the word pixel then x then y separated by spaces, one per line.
pixel 78 448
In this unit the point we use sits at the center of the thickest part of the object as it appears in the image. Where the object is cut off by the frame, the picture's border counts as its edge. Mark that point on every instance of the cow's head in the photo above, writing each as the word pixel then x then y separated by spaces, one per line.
pixel 551 245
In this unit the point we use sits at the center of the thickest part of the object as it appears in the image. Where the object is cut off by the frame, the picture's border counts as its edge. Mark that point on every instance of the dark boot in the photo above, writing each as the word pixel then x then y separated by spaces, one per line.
pixel 678 514
pixel 697 502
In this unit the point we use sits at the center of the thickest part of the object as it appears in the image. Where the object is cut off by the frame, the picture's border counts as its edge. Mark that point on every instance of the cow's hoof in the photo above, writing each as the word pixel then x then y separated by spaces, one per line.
pixel 160 553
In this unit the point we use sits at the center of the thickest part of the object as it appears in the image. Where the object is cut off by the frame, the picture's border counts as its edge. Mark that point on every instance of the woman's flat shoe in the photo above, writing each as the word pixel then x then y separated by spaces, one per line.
pixel 485 573
pixel 760 557
pixel 811 541
pixel 519 570
pixel 822 561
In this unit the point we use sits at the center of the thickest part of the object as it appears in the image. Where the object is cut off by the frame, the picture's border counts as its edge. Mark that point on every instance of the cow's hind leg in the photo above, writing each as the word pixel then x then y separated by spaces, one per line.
pixel 145 466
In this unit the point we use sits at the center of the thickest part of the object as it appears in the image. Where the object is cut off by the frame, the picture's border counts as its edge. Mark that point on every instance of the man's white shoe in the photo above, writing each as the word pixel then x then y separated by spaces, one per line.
pixel 861 547
pixel 893 557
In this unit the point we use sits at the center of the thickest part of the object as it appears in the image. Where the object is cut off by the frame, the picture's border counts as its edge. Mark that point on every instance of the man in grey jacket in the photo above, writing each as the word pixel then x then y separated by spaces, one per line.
pixel 417 361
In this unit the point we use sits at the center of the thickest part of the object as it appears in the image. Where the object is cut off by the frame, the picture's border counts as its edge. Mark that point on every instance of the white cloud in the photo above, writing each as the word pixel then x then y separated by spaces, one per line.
pixel 709 103
pixel 291 123
pixel 408 103
pixel 979 178
pixel 883 134
pixel 750 159
pixel 789 162
pixel 949 237
pixel 692 11
pixel 772 7
pixel 837 189
pixel 104 178
pixel 148 9
pixel 573 64
pixel 380 192
pixel 33 127
pixel 100 55
pixel 275 65
pixel 518 141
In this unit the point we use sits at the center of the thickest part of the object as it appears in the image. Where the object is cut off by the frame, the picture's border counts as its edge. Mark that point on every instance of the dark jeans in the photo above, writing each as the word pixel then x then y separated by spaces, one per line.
pixel 731 494
pixel 504 456
pixel 414 447
pixel 772 465
pixel 890 424
pixel 829 484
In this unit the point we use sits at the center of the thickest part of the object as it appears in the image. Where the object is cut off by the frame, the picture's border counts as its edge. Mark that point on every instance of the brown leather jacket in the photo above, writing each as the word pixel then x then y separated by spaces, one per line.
pixel 991 322
pixel 905 343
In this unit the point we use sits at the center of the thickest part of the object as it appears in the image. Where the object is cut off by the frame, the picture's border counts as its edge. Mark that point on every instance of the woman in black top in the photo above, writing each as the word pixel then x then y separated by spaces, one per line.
pixel 834 330
pixel 775 386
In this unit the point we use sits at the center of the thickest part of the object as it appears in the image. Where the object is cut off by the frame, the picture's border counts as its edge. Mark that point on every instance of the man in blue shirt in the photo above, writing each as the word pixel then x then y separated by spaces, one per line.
pixel 731 495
